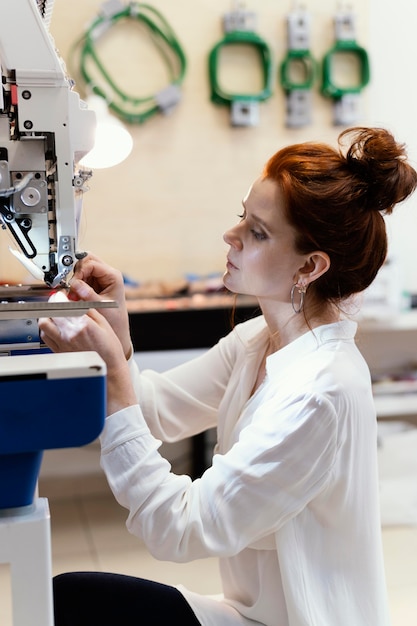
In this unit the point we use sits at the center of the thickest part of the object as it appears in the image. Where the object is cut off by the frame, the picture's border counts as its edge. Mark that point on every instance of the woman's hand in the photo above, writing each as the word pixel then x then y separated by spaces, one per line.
pixel 93 281
pixel 92 332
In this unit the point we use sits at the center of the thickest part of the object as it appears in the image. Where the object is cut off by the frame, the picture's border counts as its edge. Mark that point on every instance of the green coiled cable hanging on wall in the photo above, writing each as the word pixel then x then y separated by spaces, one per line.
pixel 132 109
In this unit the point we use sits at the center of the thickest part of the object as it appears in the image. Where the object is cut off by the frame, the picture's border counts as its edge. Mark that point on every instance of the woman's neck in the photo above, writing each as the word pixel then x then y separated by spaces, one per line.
pixel 285 326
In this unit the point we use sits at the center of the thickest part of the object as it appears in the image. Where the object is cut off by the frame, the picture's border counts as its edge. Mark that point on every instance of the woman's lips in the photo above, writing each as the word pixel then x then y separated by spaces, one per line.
pixel 230 265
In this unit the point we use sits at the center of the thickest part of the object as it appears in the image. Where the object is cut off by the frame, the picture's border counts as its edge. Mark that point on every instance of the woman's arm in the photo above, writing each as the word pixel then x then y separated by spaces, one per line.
pixel 265 479
pixel 93 332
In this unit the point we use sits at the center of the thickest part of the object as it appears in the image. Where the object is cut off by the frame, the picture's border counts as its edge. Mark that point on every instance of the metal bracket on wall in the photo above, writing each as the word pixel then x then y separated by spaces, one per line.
pixel 345 53
pixel 239 29
pixel 298 70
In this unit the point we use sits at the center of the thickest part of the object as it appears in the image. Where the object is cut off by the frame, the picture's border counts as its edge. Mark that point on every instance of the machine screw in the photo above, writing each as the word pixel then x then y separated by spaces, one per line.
pixel 30 196
pixel 67 260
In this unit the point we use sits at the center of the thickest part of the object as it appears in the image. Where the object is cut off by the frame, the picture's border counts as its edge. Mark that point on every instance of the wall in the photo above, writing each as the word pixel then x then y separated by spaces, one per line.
pixel 163 211
pixel 393 104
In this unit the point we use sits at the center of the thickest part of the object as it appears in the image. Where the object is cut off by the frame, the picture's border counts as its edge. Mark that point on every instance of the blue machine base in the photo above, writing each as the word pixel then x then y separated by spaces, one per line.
pixel 20 472
pixel 39 413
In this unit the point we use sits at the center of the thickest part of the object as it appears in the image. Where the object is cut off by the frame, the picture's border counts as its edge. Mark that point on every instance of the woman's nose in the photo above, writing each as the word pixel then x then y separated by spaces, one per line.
pixel 231 238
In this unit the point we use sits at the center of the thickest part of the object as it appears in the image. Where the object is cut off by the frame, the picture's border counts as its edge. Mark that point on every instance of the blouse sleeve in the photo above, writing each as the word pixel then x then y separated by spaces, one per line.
pixel 183 401
pixel 267 477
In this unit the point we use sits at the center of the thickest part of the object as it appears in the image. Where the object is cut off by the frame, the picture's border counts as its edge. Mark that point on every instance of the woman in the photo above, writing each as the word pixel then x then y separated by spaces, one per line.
pixel 290 503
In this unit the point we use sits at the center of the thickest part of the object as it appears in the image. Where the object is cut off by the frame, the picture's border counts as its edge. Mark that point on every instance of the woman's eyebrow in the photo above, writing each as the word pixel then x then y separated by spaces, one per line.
pixel 261 222
pixel 257 219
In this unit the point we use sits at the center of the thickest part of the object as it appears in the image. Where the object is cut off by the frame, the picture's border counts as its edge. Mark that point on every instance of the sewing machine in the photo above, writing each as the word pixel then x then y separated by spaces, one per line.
pixel 45 129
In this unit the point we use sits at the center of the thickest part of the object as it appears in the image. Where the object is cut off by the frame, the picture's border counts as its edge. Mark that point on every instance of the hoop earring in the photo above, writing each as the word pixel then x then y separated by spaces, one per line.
pixel 301 290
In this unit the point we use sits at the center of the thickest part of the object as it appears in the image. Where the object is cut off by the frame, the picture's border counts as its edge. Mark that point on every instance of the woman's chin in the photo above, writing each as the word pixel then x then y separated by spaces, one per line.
pixel 228 282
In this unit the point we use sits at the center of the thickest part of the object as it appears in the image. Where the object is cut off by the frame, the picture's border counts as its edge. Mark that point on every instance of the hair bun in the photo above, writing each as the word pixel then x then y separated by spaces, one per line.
pixel 380 165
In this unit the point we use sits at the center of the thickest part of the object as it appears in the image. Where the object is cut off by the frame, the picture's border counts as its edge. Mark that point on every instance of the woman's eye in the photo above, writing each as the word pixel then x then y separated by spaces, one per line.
pixel 241 216
pixel 258 235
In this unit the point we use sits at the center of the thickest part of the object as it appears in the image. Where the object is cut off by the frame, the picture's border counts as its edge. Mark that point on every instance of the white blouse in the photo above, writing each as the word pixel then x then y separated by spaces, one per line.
pixel 290 504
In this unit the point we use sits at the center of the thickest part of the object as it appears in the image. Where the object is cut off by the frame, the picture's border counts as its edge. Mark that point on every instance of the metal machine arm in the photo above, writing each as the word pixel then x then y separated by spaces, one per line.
pixel 45 129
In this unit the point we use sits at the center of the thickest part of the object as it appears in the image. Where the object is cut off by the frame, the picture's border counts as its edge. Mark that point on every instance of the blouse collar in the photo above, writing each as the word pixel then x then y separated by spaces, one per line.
pixel 311 340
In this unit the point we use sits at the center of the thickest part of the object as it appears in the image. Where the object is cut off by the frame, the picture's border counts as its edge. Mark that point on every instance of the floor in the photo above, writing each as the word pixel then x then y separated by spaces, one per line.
pixel 88 532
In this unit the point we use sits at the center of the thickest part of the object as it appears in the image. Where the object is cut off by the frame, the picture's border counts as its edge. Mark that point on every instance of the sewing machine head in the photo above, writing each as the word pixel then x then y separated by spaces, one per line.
pixel 45 129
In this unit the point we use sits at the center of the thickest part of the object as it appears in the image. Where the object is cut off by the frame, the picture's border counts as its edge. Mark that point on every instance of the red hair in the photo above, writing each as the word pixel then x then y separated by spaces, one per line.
pixel 336 203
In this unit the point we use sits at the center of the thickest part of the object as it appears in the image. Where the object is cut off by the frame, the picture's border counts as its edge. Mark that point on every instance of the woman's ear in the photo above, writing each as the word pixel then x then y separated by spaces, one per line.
pixel 316 265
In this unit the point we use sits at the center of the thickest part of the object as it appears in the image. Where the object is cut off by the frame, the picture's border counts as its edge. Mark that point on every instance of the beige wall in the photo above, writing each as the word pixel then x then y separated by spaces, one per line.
pixel 393 104
pixel 163 211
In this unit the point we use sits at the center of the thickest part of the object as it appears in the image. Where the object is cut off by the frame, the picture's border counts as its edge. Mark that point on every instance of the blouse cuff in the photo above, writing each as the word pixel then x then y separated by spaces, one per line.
pixel 123 426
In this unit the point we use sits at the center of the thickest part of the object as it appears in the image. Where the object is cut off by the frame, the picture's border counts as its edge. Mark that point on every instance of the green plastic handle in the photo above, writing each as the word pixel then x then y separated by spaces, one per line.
pixel 329 88
pixel 296 57
pixel 219 95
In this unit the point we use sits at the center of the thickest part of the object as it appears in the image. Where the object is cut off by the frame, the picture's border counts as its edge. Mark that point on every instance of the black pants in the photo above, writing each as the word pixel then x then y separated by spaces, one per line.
pixel 98 599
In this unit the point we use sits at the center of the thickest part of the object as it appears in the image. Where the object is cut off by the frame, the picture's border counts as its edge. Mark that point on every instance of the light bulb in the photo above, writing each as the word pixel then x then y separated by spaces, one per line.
pixel 113 142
